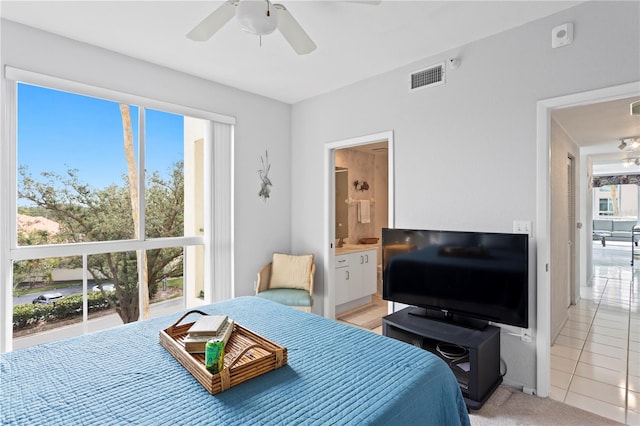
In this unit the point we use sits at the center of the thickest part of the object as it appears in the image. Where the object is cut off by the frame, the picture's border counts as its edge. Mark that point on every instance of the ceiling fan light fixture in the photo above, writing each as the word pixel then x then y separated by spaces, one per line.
pixel 257 17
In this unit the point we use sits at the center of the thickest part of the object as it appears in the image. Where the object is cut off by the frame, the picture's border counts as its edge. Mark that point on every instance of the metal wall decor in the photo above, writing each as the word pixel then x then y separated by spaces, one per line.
pixel 265 184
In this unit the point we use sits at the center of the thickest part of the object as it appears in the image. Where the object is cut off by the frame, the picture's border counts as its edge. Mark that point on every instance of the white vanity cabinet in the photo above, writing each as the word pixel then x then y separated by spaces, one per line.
pixel 370 272
pixel 343 279
pixel 355 275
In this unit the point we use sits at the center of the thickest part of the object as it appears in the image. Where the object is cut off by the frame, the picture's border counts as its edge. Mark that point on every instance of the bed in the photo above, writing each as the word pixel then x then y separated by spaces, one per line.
pixel 336 374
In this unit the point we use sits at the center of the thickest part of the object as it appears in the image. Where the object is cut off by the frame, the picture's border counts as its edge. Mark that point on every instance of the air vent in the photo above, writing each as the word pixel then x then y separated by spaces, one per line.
pixel 431 76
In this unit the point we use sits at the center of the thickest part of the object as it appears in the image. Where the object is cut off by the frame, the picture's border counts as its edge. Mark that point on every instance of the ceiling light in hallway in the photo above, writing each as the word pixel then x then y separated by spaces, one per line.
pixel 629 144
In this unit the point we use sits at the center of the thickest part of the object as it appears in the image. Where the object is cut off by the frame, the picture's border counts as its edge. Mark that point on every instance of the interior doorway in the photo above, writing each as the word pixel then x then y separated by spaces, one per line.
pixel 544 238
pixel 349 157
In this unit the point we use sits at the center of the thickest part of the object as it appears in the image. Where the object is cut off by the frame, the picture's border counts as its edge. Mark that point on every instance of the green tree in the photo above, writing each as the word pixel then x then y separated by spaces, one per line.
pixel 34 270
pixel 89 214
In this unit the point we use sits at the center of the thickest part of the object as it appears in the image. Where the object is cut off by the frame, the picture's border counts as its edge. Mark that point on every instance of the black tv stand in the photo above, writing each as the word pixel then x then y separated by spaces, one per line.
pixel 478 373
pixel 448 317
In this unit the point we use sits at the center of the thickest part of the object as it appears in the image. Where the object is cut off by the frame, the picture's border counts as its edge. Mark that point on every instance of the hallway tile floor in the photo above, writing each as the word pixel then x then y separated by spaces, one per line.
pixel 595 361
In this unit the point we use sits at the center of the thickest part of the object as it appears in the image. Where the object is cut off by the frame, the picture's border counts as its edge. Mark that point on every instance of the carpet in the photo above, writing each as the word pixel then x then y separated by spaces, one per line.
pixel 509 406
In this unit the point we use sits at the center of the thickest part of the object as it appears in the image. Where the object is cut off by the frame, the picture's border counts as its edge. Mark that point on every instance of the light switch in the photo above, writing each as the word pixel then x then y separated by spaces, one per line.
pixel 522 227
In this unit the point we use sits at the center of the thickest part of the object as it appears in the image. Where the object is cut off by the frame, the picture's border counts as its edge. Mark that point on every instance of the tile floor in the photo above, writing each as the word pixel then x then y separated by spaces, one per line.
pixel 595 361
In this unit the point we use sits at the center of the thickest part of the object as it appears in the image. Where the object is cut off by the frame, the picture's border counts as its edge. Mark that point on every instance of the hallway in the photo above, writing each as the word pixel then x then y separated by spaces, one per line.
pixel 595 361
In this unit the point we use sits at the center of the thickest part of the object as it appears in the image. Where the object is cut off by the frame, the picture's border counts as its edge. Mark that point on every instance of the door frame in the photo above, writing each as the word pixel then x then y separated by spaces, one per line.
pixel 329 205
pixel 543 214
pixel 573 287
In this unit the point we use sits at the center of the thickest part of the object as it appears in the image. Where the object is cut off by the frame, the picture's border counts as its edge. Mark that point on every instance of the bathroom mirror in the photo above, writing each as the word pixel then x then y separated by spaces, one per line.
pixel 342 208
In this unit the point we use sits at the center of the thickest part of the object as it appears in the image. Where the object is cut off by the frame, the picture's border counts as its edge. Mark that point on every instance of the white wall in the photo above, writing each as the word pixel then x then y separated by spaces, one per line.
pixel 262 124
pixel 465 152
pixel 361 167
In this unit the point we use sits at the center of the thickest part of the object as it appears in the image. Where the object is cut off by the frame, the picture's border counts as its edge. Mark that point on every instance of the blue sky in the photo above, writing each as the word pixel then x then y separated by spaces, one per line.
pixel 59 130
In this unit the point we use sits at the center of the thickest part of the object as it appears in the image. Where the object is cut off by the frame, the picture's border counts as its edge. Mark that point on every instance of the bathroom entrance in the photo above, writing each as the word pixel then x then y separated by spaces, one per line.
pixel 359 196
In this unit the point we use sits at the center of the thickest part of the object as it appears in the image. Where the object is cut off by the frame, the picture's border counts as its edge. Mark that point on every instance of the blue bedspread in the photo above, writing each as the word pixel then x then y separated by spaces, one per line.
pixel 335 374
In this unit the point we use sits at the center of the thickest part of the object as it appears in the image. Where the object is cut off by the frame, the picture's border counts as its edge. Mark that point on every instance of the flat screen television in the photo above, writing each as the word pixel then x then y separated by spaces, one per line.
pixel 466 277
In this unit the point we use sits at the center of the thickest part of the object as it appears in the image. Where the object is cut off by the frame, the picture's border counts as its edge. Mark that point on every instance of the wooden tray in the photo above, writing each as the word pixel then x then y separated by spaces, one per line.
pixel 247 355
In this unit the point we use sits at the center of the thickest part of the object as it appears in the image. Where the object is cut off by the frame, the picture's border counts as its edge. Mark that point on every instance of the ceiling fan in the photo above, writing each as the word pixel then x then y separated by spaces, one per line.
pixel 256 17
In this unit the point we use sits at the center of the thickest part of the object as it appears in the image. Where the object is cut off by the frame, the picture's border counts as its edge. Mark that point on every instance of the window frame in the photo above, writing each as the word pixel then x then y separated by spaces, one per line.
pixel 219 128
pixel 610 209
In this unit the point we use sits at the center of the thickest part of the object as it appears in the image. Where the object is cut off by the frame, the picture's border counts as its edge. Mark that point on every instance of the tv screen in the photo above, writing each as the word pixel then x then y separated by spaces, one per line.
pixel 457 275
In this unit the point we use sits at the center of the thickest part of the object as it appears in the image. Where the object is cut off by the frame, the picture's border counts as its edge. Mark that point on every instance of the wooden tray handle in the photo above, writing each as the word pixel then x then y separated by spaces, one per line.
pixel 278 352
pixel 194 311
pixel 225 378
pixel 244 351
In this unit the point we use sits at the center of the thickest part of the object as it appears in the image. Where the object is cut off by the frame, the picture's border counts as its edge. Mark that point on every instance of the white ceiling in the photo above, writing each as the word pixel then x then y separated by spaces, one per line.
pixel 596 124
pixel 355 40
pixel 599 127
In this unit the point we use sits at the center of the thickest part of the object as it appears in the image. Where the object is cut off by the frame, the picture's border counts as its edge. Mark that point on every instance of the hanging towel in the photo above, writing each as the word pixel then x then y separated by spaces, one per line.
pixel 364 211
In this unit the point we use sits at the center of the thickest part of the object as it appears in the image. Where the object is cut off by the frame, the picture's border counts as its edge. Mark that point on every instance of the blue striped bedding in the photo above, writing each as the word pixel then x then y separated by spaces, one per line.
pixel 335 375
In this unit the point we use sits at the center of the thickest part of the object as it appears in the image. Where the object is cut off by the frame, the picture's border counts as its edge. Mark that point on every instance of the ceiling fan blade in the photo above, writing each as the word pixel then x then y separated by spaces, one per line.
pixel 293 32
pixel 212 23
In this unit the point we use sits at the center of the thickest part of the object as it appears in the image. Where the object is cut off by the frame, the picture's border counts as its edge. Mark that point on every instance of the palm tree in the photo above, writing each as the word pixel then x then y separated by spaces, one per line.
pixel 135 208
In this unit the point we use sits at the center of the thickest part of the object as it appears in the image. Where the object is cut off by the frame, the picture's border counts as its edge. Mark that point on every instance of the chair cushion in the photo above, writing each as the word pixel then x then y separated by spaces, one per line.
pixel 290 271
pixel 287 296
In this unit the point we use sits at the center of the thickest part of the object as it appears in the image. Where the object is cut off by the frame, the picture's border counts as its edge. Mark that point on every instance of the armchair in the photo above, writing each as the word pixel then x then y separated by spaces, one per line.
pixel 288 279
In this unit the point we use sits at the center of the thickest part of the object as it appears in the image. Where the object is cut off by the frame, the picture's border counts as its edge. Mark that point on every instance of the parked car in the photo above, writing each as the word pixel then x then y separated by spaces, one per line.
pixel 105 287
pixel 47 298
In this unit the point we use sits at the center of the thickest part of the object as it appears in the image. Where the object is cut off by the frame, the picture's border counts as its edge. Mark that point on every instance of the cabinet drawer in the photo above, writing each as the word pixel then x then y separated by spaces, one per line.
pixel 342 260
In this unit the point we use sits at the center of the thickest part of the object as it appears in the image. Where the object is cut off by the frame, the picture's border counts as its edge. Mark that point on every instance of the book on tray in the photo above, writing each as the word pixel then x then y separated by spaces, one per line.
pixel 205 328
pixel 208 325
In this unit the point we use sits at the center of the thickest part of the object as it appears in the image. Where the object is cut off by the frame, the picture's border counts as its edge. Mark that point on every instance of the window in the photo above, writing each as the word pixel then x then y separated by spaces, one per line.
pixel 619 201
pixel 605 207
pixel 117 187
pixel 73 167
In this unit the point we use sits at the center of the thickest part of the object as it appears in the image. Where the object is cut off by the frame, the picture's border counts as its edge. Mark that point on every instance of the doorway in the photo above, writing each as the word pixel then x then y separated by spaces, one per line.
pixel 543 233
pixel 382 203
